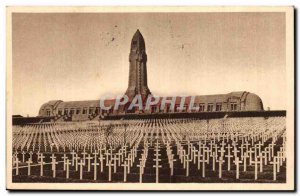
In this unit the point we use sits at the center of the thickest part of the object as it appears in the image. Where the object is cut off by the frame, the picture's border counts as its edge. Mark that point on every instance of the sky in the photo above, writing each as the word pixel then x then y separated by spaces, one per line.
pixel 84 56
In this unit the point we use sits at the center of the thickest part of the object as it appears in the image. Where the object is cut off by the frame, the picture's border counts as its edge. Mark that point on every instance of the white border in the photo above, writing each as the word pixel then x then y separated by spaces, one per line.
pixel 190 186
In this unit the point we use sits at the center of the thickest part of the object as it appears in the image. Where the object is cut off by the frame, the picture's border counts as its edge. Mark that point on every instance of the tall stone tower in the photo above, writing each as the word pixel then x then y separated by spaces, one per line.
pixel 137 83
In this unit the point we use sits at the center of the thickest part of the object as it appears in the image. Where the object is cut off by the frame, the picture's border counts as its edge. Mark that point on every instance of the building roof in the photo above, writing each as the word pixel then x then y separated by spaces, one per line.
pixel 75 104
pixel 139 41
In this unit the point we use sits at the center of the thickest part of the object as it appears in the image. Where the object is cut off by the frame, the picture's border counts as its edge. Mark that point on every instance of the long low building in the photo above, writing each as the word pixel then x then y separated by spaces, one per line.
pixel 88 110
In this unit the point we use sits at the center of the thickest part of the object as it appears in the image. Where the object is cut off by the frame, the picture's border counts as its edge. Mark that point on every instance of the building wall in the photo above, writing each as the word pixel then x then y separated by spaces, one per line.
pixel 230 102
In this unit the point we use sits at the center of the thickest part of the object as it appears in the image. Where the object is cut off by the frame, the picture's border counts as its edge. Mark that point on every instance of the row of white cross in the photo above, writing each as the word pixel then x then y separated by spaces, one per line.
pixel 201 157
pixel 246 142
pixel 90 136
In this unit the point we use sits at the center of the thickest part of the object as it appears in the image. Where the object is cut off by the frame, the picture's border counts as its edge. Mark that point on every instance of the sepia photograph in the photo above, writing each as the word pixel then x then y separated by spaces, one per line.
pixel 150 98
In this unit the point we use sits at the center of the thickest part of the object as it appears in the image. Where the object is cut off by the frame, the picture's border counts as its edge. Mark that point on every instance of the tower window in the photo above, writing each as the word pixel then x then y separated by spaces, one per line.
pixel 48 112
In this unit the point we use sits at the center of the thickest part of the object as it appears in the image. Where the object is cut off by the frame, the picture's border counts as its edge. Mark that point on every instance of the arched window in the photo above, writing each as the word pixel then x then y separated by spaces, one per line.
pixel 201 107
pixel 210 107
pixel 219 107
pixel 233 106
pixel 48 112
